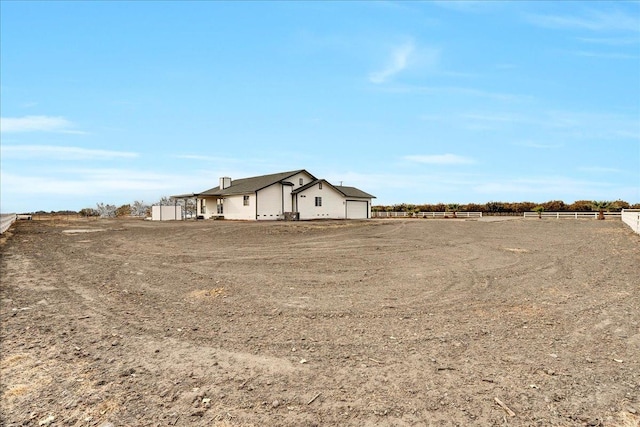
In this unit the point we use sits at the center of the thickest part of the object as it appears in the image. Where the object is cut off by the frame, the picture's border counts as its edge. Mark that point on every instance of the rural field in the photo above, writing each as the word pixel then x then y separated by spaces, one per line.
pixel 339 323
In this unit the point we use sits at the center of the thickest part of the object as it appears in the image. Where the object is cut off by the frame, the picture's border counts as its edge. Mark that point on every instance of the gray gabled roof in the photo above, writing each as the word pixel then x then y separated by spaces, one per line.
pixel 252 184
pixel 346 191
pixel 353 192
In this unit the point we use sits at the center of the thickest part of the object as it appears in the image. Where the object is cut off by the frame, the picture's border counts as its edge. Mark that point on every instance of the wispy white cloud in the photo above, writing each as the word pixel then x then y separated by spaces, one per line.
pixel 459 91
pixel 75 188
pixel 401 57
pixel 589 125
pixel 433 117
pixel 493 117
pixel 605 55
pixel 439 159
pixel 479 120
pixel 61 153
pixel 389 186
pixel 594 20
pixel 539 189
pixel 489 121
pixel 600 169
pixel 473 6
pixel 610 41
pixel 531 144
pixel 240 166
pixel 560 124
pixel 548 187
pixel 103 183
pixel 37 124
pixel 201 157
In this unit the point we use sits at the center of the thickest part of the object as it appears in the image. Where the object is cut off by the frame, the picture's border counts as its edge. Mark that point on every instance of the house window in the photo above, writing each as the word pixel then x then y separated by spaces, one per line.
pixel 245 200
pixel 319 186
pixel 203 207
pixel 301 181
pixel 318 201
pixel 220 207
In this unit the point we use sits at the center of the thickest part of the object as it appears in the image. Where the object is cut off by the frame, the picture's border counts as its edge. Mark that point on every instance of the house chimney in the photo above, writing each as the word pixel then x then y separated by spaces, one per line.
pixel 225 182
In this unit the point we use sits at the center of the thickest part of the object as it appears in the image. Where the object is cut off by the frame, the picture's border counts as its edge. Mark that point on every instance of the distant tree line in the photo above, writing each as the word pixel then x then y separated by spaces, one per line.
pixel 136 209
pixel 510 207
pixel 142 209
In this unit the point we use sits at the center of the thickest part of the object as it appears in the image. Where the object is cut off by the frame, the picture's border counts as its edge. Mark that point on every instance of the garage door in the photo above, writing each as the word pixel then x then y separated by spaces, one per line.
pixel 357 209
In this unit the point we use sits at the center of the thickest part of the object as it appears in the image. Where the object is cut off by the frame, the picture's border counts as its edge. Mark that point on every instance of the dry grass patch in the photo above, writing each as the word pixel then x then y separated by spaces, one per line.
pixel 12 360
pixel 516 250
pixel 206 294
pixel 83 230
pixel 15 371
pixel 627 419
pixel 526 310
pixel 20 369
pixel 15 391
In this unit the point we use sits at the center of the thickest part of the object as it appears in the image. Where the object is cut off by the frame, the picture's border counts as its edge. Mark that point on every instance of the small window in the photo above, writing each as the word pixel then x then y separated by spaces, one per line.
pixel 318 201
pixel 245 200
pixel 319 186
pixel 301 181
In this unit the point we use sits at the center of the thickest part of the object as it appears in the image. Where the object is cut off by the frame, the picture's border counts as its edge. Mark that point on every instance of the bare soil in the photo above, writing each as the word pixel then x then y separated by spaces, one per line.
pixel 351 323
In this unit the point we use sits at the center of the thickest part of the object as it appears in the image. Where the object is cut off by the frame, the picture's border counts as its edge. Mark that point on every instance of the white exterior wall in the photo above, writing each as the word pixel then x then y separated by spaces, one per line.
pixel 166 213
pixel 276 199
pixel 295 180
pixel 210 206
pixel 333 203
pixel 270 201
pixel 234 207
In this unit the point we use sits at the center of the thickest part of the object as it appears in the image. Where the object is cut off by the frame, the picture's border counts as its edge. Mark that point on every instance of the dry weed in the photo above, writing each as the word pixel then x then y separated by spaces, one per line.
pixel 11 360
pixel 627 419
pixel 206 294
pixel 15 391
pixel 516 250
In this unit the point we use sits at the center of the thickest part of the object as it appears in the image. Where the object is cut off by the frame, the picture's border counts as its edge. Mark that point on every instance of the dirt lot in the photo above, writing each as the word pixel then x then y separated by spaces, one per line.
pixel 374 323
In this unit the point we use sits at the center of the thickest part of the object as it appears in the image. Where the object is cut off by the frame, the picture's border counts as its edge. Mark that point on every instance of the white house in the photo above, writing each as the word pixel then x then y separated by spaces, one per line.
pixel 294 194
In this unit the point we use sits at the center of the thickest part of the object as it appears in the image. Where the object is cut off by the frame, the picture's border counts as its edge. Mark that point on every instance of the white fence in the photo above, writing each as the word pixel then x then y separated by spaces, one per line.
pixel 572 215
pixel 631 217
pixel 5 221
pixel 633 214
pixel 426 215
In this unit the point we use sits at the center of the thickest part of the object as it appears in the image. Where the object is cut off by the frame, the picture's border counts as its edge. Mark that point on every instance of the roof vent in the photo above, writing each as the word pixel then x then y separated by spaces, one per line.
pixel 225 182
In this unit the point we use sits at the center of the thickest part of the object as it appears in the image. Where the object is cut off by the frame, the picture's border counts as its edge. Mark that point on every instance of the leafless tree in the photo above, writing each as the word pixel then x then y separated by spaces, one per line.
pixel 106 210
pixel 139 208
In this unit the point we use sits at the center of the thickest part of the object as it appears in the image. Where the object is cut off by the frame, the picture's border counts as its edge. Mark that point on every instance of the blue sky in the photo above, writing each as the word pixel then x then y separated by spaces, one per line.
pixel 417 102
